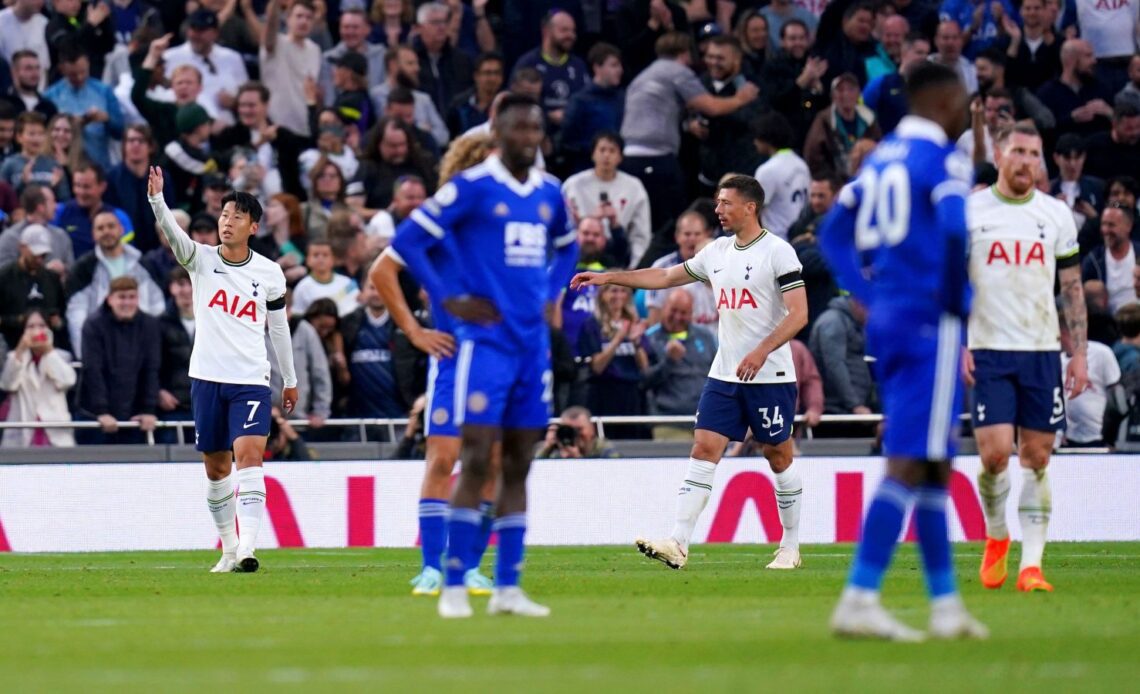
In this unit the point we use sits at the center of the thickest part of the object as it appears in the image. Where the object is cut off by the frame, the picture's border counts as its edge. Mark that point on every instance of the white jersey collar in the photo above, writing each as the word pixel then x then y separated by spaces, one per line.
pixel 500 173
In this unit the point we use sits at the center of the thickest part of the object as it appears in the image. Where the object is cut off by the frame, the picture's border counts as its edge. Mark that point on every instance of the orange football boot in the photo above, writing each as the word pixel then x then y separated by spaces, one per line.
pixel 994 570
pixel 1030 580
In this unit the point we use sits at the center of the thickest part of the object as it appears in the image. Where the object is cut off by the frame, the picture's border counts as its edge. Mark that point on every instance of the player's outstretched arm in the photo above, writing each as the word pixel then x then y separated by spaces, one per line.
pixel 181 244
pixel 384 275
pixel 649 278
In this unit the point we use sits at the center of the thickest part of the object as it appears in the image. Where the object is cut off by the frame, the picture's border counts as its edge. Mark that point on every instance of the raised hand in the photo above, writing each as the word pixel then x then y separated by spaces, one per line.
pixel 154 184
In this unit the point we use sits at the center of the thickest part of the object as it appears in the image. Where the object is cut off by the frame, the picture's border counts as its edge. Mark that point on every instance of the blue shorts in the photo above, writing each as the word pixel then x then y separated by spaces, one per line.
pixel 730 409
pixel 225 411
pixel 918 370
pixel 1019 388
pixel 439 411
pixel 503 386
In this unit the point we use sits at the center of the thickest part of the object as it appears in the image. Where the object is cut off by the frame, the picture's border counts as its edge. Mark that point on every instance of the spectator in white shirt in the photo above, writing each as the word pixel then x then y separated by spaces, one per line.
pixel 24 27
pixel 288 61
pixel 222 69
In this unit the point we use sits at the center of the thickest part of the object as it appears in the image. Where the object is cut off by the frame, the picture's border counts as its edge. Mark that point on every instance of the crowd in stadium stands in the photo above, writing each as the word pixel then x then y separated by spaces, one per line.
pixel 336 113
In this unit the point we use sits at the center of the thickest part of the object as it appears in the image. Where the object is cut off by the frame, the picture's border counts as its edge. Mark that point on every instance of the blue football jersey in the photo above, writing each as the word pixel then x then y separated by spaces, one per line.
pixel 897 236
pixel 498 236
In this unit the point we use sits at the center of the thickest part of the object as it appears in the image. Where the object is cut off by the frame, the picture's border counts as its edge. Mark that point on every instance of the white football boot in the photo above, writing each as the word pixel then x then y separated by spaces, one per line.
pixel 786 558
pixel 512 600
pixel 225 565
pixel 453 603
pixel 668 551
pixel 950 620
pixel 861 616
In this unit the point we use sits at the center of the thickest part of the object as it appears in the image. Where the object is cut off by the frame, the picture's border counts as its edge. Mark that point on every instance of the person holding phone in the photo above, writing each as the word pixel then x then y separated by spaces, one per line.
pixel 36 378
pixel 988 115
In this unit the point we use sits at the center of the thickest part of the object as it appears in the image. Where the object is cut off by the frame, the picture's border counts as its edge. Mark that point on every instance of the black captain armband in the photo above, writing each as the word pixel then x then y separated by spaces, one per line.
pixel 790 281
pixel 275 305
pixel 1072 261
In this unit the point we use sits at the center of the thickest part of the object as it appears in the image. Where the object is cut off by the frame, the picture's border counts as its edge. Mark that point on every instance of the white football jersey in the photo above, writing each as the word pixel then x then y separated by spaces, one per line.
pixel 749 283
pixel 785 178
pixel 1015 247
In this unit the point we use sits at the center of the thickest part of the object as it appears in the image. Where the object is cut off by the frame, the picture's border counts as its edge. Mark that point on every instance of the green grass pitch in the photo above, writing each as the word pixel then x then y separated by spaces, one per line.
pixel 324 620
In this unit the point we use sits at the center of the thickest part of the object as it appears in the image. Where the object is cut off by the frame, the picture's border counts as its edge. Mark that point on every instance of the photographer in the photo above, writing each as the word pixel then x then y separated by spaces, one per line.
pixel 575 437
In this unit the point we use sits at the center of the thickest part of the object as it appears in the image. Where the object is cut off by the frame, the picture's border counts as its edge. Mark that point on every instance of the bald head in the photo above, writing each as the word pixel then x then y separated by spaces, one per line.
pixel 677 312
pixel 1078 58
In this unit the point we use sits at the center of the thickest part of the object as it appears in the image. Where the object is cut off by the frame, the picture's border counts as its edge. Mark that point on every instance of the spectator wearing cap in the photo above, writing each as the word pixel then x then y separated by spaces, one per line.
pixel 1116 152
pixel 222 69
pixel 127 184
pixel 185 84
pixel 354 29
pixel 948 41
pixel 350 84
pixel 1078 100
pixel 90 281
pixel 472 107
pixel 779 12
pixel 186 159
pixel 331 139
pixel 651 125
pixel 563 73
pixel 75 217
pixel 38 205
pixel 288 61
pixel 87 26
pixel 1113 262
pixel 37 377
pixel 1033 50
pixel 445 71
pixel 27 284
pixel 1082 193
pixel 640 24
pixel 403 69
pixel 990 67
pixel 836 130
pixel 886 94
pixel 277 149
pixel 121 366
pixel 177 328
pixel 597 108
pixel 81 95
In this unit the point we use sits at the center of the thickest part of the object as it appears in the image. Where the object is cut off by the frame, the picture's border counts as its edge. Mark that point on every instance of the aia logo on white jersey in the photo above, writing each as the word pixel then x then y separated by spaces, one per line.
pixel 233 305
pixel 1016 253
pixel 734 298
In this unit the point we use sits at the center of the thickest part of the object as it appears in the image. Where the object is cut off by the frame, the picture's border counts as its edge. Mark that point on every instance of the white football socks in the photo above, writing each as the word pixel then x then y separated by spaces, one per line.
pixel 789 490
pixel 1033 510
pixel 251 506
pixel 993 489
pixel 222 502
pixel 691 499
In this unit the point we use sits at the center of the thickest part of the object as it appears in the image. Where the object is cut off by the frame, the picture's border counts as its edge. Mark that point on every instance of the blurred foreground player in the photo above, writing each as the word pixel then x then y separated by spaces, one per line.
pixel 503 224
pixel 905 213
pixel 236 294
pixel 1020 241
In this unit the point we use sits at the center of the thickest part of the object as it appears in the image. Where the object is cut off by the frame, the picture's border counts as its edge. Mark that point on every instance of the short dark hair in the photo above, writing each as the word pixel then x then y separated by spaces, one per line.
pixel 857 7
pixel 401 95
pixel 529 75
pixel 24 53
pixel 727 41
pixel 29 118
pixel 927 76
pixel 794 23
pixel 510 100
pixel 828 176
pixel 1125 109
pixel 773 128
pixel 70 53
pixel 601 52
pixel 257 87
pixel 748 187
pixel 7 111
pixel 1128 320
pixel 608 135
pixel 1128 183
pixel 998 93
pixel 86 165
pixel 31 197
pixel 488 57
pixel 244 202
pixel 177 274
pixel 994 55
pixel 673 45
pixel 914 37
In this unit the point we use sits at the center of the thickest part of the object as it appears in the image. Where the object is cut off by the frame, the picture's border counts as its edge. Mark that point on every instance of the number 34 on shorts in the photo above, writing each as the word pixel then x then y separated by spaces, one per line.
pixel 731 409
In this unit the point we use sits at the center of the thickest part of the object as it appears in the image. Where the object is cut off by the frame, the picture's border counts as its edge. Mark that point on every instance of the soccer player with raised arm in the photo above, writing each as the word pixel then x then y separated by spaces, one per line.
pixel 905 214
pixel 1020 241
pixel 508 252
pixel 236 294
pixel 762 304
pixel 440 428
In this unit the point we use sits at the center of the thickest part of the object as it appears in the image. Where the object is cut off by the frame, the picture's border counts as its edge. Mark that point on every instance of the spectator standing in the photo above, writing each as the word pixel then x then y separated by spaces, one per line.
pixel 403 70
pixel 27 78
pixel 838 344
pixel 1083 194
pixel 350 86
pixel 1078 100
pixel 287 61
pixel 691 232
pixel 323 316
pixel 578 306
pixel 185 83
pixel 1033 50
pixel 88 185
pixel 989 113
pixel 66 140
pixel 886 94
pixel 23 27
pixel 1113 262
pixel 331 144
pixel 222 69
pixel 640 24
pixel 752 32
pixel 81 95
pixel 784 176
pixel 368 336
pixel 1127 350
pixel 854 46
pixel 27 285
pixel 1131 91
pixel 616 198
pixel 1111 28
pixel 34 163
pixel 177 329
pixel 281 236
pixel 575 436
pixel 160 262
pixel 472 107
pixel 792 80
pixel 409 194
pixel 780 11
pixel 121 365
pixel 724 139
pixel 392 22
pixel 822 190
pixel 675 382
pixel 948 44
pixel 652 119
pixel 36 377
pixel 563 73
pixel 38 205
pixel 187 159
pixel 598 108
pixel 444 70
pixel 95 272
pixel 127 182
pixel 835 131
pixel 1117 152
pixel 88 26
pixel 328 186
pixel 354 29
pixel 980 21
pixel 391 151
pixel 990 66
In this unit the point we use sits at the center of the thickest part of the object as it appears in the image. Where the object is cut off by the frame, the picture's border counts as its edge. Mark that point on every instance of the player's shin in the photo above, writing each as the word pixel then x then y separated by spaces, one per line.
pixel 508 562
pixel 433 531
pixel 692 498
pixel 1033 511
pixel 789 491
pixel 881 530
pixel 487 508
pixel 934 540
pixel 993 490
pixel 463 526
pixel 222 502
pixel 250 507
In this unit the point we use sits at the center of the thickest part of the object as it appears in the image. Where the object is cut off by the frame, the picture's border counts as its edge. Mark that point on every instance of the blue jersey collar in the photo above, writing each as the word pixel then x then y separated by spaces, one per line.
pixel 499 173
pixel 916 127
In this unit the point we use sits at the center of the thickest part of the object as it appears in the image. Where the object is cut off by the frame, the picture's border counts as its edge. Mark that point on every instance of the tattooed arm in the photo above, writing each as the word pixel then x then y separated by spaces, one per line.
pixel 1076 317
